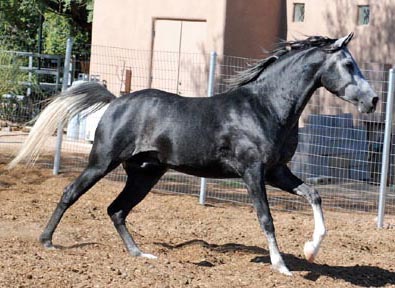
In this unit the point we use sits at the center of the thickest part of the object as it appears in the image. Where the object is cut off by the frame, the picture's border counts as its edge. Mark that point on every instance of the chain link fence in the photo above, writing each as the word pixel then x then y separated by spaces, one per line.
pixel 339 151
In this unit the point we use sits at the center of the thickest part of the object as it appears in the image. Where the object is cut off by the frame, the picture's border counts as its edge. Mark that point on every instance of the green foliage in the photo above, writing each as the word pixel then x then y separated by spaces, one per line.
pixel 20 22
pixel 57 29
pixel 14 83
pixel 88 4
pixel 11 79
pixel 89 8
pixel 11 76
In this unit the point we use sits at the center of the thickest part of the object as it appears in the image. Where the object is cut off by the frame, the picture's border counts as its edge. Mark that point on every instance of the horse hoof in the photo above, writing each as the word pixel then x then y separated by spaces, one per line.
pixel 309 251
pixel 149 256
pixel 283 270
pixel 141 254
pixel 47 243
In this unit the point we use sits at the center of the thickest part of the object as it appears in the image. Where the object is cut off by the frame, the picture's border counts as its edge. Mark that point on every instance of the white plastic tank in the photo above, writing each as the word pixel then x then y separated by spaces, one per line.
pixel 76 125
pixel 92 120
pixel 83 128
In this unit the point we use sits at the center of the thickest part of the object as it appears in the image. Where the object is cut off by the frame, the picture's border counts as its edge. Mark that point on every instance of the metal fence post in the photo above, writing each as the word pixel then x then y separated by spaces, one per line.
pixel 30 75
pixel 386 148
pixel 210 92
pixel 59 134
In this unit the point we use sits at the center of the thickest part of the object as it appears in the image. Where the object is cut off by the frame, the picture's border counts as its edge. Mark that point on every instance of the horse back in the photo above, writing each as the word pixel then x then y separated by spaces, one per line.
pixel 196 135
pixel 178 129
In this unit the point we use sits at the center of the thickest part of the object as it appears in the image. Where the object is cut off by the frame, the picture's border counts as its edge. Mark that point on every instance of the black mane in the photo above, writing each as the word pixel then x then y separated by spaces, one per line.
pixel 283 48
pixel 310 42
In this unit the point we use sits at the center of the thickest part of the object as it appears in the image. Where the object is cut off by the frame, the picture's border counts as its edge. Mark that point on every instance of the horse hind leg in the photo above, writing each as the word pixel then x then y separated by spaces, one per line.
pixel 89 177
pixel 139 183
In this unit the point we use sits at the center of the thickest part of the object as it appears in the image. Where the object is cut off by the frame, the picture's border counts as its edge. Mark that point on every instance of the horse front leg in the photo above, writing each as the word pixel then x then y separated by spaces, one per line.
pixel 281 177
pixel 254 179
pixel 311 247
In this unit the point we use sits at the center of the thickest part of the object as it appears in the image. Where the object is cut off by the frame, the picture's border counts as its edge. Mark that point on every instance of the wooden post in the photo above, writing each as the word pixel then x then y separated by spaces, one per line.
pixel 128 81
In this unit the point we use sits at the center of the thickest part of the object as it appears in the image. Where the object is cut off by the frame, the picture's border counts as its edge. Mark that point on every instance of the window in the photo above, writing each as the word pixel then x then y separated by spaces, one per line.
pixel 363 15
pixel 298 12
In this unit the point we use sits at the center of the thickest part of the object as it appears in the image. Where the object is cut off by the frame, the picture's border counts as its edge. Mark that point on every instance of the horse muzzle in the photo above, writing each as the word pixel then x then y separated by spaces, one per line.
pixel 368 106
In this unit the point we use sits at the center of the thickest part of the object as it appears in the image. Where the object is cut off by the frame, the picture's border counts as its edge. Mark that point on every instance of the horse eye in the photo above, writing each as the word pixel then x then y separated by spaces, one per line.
pixel 349 66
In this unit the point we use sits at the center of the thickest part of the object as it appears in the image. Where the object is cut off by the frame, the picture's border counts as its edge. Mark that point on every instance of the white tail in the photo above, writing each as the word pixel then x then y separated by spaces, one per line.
pixel 89 96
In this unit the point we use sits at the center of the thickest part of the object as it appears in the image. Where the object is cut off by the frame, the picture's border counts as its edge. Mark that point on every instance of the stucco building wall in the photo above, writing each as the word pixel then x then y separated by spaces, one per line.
pixel 232 27
pixel 374 42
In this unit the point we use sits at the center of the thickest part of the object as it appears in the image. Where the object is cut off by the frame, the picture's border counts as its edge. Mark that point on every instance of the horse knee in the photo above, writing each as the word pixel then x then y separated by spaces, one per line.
pixel 311 194
pixel 314 197
pixel 81 185
pixel 117 213
pixel 112 209
pixel 267 224
pixel 117 217
pixel 69 196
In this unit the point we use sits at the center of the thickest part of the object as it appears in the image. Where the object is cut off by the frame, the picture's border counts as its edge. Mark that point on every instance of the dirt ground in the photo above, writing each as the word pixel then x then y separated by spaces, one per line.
pixel 219 245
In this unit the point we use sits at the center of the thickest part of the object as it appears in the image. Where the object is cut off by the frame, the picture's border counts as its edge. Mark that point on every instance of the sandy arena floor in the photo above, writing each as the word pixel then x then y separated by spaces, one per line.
pixel 219 245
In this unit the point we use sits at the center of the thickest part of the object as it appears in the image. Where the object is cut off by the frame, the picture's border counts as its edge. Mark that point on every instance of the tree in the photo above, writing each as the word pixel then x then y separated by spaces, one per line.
pixel 20 21
pixel 13 106
pixel 18 24
pixel 56 30
pixel 10 75
pixel 78 11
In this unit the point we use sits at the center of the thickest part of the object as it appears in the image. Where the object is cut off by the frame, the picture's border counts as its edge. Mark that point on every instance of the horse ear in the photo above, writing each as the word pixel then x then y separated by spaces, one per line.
pixel 342 42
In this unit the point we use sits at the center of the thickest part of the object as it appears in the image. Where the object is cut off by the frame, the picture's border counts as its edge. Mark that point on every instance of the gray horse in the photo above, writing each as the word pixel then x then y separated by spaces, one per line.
pixel 249 132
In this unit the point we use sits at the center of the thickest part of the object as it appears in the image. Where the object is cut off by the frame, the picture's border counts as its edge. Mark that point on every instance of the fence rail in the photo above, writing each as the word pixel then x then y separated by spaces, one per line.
pixel 47 68
pixel 339 152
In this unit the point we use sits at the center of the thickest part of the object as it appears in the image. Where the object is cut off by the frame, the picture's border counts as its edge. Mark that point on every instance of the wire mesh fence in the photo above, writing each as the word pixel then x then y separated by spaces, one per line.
pixel 26 80
pixel 339 150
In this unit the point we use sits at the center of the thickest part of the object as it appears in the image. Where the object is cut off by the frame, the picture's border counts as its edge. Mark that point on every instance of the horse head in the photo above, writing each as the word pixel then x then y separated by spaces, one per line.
pixel 342 76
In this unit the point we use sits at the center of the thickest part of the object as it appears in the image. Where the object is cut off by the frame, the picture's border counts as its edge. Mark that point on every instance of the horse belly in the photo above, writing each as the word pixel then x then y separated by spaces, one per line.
pixel 188 148
pixel 195 159
pixel 209 171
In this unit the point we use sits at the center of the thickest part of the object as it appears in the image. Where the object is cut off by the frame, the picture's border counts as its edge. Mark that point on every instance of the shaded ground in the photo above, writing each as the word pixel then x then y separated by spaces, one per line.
pixel 219 245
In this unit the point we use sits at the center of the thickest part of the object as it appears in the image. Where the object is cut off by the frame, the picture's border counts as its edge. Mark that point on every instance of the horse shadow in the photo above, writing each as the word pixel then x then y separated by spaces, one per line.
pixel 74 246
pixel 360 275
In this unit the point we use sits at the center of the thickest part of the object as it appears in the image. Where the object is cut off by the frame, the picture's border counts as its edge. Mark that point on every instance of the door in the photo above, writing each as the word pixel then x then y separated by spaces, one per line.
pixel 179 63
pixel 193 67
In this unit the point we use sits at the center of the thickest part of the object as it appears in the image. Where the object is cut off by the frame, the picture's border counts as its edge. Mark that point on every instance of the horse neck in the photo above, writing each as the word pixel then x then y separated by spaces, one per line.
pixel 288 89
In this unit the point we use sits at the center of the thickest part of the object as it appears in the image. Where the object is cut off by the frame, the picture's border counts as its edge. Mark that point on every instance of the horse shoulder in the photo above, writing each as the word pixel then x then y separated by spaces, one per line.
pixel 290 145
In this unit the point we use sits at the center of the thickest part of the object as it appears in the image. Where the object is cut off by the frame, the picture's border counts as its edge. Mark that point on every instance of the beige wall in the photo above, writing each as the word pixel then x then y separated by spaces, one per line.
pixel 129 23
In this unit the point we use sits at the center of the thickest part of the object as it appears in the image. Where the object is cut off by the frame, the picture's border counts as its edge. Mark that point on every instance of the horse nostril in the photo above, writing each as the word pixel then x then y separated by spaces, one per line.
pixel 375 100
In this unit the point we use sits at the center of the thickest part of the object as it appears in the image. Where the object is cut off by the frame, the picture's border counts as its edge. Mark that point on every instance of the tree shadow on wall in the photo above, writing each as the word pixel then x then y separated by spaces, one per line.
pixel 374 42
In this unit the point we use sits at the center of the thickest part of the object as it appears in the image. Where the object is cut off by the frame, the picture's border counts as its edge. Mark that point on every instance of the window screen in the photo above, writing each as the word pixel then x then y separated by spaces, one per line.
pixel 363 15
pixel 298 12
